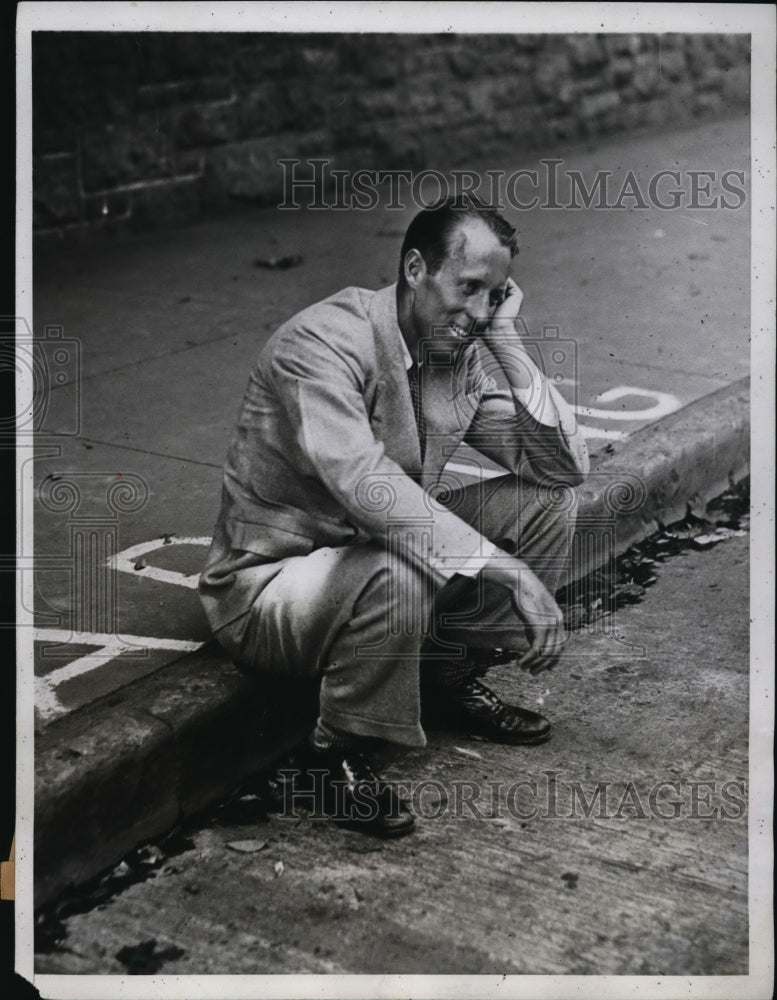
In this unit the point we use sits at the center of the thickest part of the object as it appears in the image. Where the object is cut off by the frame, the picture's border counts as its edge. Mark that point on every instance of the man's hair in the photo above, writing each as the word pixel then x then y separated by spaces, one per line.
pixel 432 229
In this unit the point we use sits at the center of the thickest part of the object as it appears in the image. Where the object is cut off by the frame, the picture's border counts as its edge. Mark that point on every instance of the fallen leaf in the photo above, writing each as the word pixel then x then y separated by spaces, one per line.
pixel 706 541
pixel 150 854
pixel 630 591
pixel 542 697
pixel 121 870
pixel 247 846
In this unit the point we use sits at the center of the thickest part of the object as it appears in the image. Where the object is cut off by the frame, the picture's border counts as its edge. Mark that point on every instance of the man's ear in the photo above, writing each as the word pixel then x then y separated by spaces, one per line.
pixel 414 268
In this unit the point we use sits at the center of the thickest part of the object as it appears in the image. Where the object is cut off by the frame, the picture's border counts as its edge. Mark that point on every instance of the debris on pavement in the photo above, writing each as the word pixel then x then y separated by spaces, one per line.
pixel 279 263
pixel 570 879
pixel 140 564
pixel 144 960
pixel 625 579
pixel 468 753
pixel 145 862
pixel 247 846
pixel 278 868
pixel 150 854
pixel 705 541
pixel 629 592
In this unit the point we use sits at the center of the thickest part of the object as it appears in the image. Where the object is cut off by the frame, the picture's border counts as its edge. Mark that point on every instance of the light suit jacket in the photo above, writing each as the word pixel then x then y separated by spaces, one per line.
pixel 326 449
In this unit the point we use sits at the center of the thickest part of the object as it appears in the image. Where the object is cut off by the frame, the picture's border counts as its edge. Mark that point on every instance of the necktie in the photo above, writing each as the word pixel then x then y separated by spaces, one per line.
pixel 414 382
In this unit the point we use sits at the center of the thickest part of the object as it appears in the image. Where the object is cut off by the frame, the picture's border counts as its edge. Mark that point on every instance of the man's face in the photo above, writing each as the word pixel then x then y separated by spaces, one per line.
pixel 457 302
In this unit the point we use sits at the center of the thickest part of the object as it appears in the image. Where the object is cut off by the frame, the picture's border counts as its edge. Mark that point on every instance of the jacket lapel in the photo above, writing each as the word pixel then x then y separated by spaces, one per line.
pixel 441 395
pixel 394 407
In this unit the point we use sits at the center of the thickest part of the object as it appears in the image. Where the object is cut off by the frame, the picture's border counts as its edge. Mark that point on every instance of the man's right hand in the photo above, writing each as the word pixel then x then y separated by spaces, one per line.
pixel 536 608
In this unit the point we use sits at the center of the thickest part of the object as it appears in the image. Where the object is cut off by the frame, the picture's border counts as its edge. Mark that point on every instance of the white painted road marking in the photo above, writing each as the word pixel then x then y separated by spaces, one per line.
pixel 125 562
pixel 665 403
pixel 600 432
pixel 109 646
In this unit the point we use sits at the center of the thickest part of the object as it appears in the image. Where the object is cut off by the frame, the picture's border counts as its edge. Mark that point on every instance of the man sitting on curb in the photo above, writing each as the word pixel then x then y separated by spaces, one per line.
pixel 344 550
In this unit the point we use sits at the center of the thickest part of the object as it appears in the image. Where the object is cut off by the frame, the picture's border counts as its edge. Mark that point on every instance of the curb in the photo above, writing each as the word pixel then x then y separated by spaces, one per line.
pixel 647 479
pixel 127 768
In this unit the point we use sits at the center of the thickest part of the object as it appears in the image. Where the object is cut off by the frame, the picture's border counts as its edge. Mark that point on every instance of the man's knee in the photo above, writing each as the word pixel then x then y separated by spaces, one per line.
pixel 400 591
pixel 517 514
pixel 552 507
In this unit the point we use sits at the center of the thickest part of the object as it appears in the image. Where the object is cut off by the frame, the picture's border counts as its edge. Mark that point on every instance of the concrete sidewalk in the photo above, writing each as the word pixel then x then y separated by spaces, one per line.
pixel 650 307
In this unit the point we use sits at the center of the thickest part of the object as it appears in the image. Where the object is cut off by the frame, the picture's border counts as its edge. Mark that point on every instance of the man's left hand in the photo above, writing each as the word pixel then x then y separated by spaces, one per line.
pixel 506 313
pixel 504 342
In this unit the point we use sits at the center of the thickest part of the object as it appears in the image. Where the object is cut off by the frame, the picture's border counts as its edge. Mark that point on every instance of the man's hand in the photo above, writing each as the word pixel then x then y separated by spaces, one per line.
pixel 506 313
pixel 503 341
pixel 535 607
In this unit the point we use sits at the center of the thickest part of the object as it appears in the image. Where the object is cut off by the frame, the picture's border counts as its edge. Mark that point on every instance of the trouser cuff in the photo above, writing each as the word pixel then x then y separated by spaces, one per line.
pixel 409 735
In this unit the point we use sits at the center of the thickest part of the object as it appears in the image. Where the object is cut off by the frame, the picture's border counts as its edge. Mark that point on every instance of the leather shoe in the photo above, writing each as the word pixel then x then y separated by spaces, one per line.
pixel 475 709
pixel 348 791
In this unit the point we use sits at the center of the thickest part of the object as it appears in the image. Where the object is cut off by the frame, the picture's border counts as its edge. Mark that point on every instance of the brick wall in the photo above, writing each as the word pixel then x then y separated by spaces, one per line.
pixel 141 130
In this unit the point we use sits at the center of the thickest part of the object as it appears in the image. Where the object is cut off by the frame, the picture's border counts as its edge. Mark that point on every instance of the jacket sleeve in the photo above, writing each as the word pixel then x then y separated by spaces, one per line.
pixel 505 431
pixel 321 386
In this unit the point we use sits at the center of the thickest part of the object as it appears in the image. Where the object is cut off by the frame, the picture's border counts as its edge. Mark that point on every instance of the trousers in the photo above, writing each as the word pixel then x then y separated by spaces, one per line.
pixel 363 618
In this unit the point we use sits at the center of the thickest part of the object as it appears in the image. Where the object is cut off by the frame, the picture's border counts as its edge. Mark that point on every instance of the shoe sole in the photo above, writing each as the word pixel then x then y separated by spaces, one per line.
pixel 491 737
pixel 506 741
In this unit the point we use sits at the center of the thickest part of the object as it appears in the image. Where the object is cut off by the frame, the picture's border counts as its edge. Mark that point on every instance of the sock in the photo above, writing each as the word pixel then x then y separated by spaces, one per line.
pixel 325 737
pixel 449 673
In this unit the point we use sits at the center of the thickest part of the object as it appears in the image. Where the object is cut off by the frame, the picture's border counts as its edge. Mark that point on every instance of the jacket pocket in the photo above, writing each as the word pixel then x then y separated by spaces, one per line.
pixel 268 540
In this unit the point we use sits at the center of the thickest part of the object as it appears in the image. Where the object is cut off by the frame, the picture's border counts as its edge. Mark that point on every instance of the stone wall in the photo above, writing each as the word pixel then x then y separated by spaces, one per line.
pixel 141 130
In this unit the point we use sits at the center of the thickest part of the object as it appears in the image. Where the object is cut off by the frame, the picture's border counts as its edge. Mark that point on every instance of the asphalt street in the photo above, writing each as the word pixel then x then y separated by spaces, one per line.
pixel 637 311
